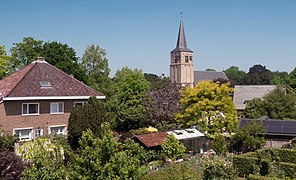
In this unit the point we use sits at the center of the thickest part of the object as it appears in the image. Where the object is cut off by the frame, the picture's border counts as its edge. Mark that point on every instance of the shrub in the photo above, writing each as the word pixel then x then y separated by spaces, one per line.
pixel 219 145
pixel 11 165
pixel 265 167
pixel 175 171
pixel 217 168
pixel 139 131
pixel 46 159
pixel 7 141
pixel 173 148
pixel 248 139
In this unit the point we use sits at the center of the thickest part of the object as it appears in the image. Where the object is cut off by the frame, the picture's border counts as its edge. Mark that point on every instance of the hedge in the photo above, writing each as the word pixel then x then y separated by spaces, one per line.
pixel 289 169
pixel 279 155
pixel 258 177
pixel 286 155
pixel 249 154
pixel 245 165
pixel 265 161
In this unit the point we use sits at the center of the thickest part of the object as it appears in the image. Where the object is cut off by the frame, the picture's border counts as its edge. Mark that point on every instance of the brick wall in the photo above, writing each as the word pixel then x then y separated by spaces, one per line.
pixel 11 115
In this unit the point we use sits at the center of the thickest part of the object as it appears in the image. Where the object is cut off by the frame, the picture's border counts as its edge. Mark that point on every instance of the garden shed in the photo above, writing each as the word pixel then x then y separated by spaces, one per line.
pixel 193 140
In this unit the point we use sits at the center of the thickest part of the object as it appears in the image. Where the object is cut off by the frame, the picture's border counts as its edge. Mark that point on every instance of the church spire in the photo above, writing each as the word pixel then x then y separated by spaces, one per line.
pixel 181 42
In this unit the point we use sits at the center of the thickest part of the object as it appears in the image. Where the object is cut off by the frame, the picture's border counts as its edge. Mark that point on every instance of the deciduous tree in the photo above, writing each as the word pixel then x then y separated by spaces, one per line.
pixel 234 74
pixel 254 109
pixel 106 158
pixel 280 105
pixel 258 75
pixel 248 138
pixel 4 63
pixel 291 79
pixel 57 54
pixel 95 64
pixel 157 82
pixel 277 105
pixel 209 105
pixel 23 53
pixel 131 87
pixel 162 104
pixel 63 57
pixel 279 78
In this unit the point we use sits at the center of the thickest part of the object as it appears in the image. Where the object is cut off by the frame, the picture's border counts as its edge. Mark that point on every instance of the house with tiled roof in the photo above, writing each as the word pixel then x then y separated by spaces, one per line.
pixel 245 93
pixel 38 99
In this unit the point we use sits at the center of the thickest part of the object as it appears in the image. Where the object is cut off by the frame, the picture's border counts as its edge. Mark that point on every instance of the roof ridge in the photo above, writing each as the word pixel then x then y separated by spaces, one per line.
pixel 20 80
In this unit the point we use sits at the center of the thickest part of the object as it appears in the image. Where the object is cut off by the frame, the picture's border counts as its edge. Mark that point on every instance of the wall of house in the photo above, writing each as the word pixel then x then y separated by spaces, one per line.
pixel 11 115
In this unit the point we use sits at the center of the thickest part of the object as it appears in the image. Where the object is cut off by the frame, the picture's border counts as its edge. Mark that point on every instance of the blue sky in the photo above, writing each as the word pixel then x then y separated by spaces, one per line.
pixel 141 34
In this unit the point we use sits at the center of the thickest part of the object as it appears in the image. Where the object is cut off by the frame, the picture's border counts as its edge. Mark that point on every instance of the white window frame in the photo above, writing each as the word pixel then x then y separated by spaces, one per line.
pixel 28 114
pixel 41 133
pixel 58 105
pixel 78 102
pixel 63 133
pixel 26 128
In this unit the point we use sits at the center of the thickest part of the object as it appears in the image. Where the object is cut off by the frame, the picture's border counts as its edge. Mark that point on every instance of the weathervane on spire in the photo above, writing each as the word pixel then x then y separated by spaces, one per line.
pixel 181 14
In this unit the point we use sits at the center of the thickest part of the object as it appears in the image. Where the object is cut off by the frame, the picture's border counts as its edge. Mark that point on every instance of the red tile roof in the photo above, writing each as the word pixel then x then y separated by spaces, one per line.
pixel 26 83
pixel 152 139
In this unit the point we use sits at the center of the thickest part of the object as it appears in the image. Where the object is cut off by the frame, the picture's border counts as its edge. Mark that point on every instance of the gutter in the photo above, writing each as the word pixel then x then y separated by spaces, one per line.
pixel 48 98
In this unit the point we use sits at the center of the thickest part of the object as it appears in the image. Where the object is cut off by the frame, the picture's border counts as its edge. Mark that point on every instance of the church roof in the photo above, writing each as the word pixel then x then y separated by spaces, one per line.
pixel 208 75
pixel 181 42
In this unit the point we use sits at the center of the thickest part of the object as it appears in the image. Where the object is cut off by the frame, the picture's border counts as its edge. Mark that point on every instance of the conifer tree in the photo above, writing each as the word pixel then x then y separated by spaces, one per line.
pixel 90 116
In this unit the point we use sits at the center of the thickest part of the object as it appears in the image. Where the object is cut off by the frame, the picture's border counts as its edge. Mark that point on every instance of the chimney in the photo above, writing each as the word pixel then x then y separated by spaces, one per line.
pixel 39 59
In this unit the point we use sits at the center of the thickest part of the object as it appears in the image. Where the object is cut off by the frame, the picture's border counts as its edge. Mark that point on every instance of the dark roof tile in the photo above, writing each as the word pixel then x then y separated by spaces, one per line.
pixel 26 83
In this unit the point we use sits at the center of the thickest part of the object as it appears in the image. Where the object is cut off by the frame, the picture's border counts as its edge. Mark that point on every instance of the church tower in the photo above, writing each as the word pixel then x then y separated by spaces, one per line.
pixel 181 66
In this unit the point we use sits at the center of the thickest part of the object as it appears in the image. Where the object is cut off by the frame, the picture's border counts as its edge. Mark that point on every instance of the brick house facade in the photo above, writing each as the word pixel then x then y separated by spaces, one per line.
pixel 38 99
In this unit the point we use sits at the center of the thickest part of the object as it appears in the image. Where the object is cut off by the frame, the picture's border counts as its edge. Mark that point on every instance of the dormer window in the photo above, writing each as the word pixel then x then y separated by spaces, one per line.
pixel 45 84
